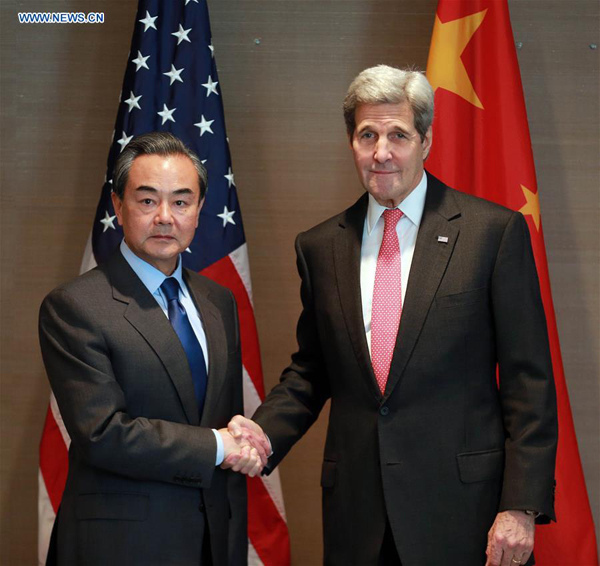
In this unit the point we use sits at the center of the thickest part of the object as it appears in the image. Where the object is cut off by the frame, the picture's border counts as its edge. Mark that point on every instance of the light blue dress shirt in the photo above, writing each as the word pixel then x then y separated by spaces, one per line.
pixel 152 279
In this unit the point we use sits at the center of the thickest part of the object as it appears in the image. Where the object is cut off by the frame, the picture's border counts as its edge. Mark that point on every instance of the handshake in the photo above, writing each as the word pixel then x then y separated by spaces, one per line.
pixel 247 448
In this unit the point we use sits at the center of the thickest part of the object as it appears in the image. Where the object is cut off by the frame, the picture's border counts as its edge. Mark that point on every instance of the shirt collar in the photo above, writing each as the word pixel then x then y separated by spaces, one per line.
pixel 151 277
pixel 412 206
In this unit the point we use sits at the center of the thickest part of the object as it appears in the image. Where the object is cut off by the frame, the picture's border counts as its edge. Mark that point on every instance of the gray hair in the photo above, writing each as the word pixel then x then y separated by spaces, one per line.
pixel 389 85
pixel 154 143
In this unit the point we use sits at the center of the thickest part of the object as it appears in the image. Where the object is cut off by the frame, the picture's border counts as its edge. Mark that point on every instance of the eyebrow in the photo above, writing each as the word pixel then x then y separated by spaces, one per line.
pixel 147 189
pixel 369 126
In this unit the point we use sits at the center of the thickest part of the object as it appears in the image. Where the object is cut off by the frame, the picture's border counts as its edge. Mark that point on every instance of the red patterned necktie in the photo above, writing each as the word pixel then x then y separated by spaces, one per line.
pixel 387 299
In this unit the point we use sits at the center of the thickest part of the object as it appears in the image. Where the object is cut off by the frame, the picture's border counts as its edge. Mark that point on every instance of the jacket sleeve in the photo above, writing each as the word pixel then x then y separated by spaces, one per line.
pixel 526 381
pixel 94 408
pixel 294 404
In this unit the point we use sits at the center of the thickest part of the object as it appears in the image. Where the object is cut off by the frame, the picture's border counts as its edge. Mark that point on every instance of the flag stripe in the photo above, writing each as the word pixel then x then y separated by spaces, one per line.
pixel 240 260
pixel 53 460
pixel 225 273
pixel 271 482
pixel 46 516
pixel 59 420
pixel 267 529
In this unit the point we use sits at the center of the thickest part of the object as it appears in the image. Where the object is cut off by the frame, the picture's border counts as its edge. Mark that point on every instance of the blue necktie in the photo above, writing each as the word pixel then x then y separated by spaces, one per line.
pixel 181 324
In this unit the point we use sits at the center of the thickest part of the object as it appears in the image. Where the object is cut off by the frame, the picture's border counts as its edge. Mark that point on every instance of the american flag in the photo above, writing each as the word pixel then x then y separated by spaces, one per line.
pixel 171 84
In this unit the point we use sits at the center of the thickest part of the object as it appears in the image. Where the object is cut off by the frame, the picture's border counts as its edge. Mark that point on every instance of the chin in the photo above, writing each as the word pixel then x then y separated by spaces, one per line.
pixel 383 196
pixel 164 253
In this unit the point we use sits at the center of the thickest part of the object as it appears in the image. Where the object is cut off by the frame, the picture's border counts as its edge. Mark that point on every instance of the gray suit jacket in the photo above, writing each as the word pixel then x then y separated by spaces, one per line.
pixel 142 486
pixel 443 449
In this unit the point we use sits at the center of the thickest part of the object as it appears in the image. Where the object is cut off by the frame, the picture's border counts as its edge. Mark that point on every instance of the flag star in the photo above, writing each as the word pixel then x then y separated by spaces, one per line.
pixel 227 216
pixel 204 125
pixel 188 1
pixel 148 21
pixel 166 114
pixel 532 206
pixel 210 87
pixel 108 221
pixel 124 141
pixel 229 178
pixel 445 68
pixel 188 250
pixel 174 74
pixel 182 34
pixel 212 49
pixel 140 61
pixel 203 161
pixel 132 101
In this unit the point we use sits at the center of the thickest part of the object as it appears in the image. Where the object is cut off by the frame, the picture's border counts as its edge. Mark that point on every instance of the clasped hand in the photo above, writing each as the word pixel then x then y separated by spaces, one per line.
pixel 247 449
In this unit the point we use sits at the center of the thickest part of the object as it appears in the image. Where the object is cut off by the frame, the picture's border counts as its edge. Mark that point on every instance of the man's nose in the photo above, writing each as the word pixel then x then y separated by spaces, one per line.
pixel 163 214
pixel 382 150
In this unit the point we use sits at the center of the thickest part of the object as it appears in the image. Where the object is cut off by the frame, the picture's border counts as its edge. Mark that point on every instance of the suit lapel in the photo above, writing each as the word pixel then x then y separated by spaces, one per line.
pixel 216 339
pixel 429 264
pixel 346 251
pixel 146 316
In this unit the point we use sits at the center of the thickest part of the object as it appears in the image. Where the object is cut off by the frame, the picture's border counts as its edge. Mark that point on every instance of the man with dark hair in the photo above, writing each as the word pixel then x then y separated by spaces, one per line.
pixel 143 357
pixel 411 299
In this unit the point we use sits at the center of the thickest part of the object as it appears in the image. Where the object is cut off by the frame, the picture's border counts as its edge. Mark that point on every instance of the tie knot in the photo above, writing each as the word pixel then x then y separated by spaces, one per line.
pixel 391 216
pixel 170 288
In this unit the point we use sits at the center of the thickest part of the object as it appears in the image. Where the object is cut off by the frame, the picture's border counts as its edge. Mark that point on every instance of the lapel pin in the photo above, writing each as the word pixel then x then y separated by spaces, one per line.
pixel 443 239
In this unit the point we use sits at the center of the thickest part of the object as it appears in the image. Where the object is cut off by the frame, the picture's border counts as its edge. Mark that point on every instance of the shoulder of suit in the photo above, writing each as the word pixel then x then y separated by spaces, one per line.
pixel 478 203
pixel 90 282
pixel 331 225
pixel 101 279
pixel 204 283
pixel 470 206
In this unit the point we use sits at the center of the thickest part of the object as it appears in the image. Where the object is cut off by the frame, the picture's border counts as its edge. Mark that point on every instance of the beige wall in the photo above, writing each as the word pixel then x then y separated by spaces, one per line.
pixel 60 87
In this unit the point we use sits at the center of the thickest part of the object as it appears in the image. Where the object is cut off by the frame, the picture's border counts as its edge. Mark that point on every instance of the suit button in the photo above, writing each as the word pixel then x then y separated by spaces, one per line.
pixel 201 507
pixel 384 411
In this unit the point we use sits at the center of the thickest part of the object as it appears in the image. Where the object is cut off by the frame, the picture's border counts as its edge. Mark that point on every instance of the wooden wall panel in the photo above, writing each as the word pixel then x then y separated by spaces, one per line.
pixel 282 95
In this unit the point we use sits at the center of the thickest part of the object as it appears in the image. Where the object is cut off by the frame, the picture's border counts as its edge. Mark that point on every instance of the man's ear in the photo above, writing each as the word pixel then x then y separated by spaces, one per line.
pixel 117 205
pixel 202 200
pixel 427 142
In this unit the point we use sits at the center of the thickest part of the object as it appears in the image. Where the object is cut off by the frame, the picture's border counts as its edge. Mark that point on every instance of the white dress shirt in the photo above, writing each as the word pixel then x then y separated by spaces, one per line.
pixel 407 229
pixel 152 279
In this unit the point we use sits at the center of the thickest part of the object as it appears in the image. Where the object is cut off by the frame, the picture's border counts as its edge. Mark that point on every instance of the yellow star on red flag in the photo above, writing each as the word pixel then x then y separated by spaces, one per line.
pixel 532 206
pixel 445 68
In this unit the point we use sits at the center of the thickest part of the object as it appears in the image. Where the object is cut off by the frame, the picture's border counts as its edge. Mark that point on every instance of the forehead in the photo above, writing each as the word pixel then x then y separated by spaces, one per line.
pixel 167 172
pixel 384 115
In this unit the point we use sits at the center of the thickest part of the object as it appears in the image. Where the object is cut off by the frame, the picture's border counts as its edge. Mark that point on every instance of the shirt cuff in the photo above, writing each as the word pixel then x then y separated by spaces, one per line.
pixel 220 448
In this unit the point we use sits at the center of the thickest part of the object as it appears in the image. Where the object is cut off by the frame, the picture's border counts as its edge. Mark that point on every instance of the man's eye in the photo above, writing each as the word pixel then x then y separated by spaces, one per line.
pixel 180 202
pixel 147 201
pixel 367 135
pixel 399 136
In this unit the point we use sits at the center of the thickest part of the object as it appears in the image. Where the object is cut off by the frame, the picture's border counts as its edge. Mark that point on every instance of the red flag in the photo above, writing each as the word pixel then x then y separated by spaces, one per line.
pixel 481 146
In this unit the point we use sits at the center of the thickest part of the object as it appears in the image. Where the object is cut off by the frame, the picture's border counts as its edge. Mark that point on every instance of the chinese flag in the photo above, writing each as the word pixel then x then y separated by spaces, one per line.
pixel 481 146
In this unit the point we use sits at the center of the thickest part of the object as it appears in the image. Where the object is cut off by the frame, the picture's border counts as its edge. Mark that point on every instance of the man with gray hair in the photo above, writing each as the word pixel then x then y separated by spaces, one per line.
pixel 411 299
pixel 143 357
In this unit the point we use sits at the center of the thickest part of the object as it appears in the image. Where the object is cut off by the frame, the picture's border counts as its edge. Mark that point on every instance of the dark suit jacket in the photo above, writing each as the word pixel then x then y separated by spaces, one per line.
pixel 142 485
pixel 444 449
